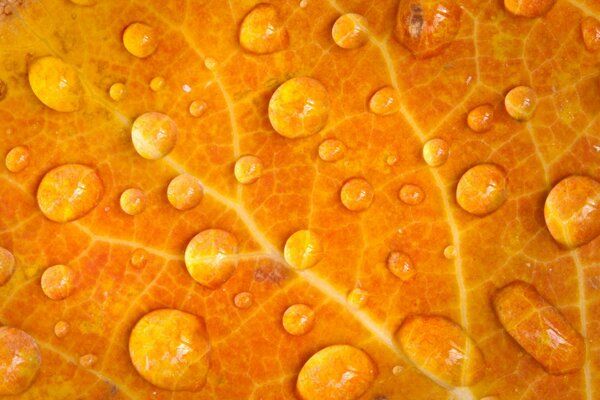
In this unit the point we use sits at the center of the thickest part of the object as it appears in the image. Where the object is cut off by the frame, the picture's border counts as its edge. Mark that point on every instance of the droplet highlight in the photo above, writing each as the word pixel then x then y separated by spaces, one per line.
pixel 357 194
pixel 185 192
pixel 262 31
pixel 243 300
pixel 529 8
pixel 133 201
pixel 331 150
pixel 482 189
pixel 298 319
pixel 210 257
pixel 350 31
pixel 520 103
pixel 62 329
pixel 436 152
pixel 154 135
pixel 248 169
pixel 7 265
pixel 117 91
pixel 17 159
pixel 58 282
pixel 303 250
pixel 141 40
pixel 56 84
pixel 481 118
pixel 411 195
pixel 20 361
pixel 385 101
pixel 401 265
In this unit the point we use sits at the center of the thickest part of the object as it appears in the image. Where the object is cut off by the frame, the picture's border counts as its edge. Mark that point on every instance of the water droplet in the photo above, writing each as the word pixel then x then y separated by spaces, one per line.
pixel 62 329
pixel 481 118
pixel 572 211
pixel 303 3
pixel 140 39
pixel 7 265
pixel 17 159
pixel 298 319
pixel 69 192
pixel 133 201
pixel 3 89
pixel 385 101
pixel 436 152
pixel 397 370
pixel 58 282
pixel 332 150
pixel 139 258
pixel 441 348
pixel 170 349
pixel 357 194
pixel 539 328
pixel 56 84
pixel 262 31
pixel 210 63
pixel 154 135
pixel 411 194
pixel 243 300
pixel 303 250
pixel 357 297
pixel 520 103
pixel 186 88
pixel 157 83
pixel 450 252
pixel 206 257
pixel 350 31
pixel 299 108
pixel 185 192
pixel 197 108
pixel 529 8
pixel 401 265
pixel 248 169
pixel 427 27
pixel 590 30
pixel 391 160
pixel 117 91
pixel 338 372
pixel 88 360
pixel 482 189
pixel 20 360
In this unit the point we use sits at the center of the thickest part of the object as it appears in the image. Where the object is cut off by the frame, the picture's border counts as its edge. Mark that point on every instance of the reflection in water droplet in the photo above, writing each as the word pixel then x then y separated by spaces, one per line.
pixel 206 257
pixel 88 360
pixel 298 319
pixel 62 329
pixel 185 192
pixel 17 159
pixel 170 349
pixel 133 201
pixel 520 103
pixel 350 31
pixel 7 265
pixel 140 39
pixel 339 372
pixel 154 135
pixel 385 101
pixel 303 250
pixel 436 152
pixel 139 258
pixel 481 118
pixel 157 83
pixel 299 108
pixel 332 150
pixel 58 282
pixel 243 300
pixel 482 189
pixel 262 31
pixel 68 192
pixel 56 84
pixel 529 8
pixel 450 252
pixel 117 91
pixel 357 194
pixel 401 265
pixel 248 169
pixel 20 361
pixel 357 297
pixel 197 108
pixel 590 30
pixel 411 194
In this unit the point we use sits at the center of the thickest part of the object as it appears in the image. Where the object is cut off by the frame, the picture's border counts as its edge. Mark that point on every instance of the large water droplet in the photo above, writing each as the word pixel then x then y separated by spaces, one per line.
pixel 140 39
pixel 243 300
pixel 170 349
pixel 20 361
pixel 88 360
pixel 56 84
pixel 298 319
pixel 385 101
pixel 58 282
pixel 436 152
pixel 7 265
pixel 139 258
pixel 332 150
pixel 590 31
pixel 350 31
pixel 529 8
pixel 572 211
pixel 68 192
pixel 262 31
pixel 520 103
pixel 357 297
pixel 133 201
pixel 206 257
pixel 197 108
pixel 400 265
pixel 411 194
pixel 357 194
pixel 17 159
pixel 299 108
pixel 157 83
pixel 482 189
pixel 185 192
pixel 62 329
pixel 248 169
pixel 339 372
pixel 154 135
pixel 481 118
pixel 303 250
pixel 117 91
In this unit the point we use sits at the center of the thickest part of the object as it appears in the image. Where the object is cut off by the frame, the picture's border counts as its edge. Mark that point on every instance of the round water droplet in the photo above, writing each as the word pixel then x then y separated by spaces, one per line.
pixel 243 300
pixel 572 211
pixel 139 258
pixel 133 201
pixel 391 160
pixel 7 265
pixel 69 192
pixel 3 89
pixel 298 319
pixel 58 282
pixel 20 361
pixel 450 252
pixel 197 108
pixel 350 31
pixel 332 150
pixel 397 370
pixel 427 27
pixel 357 194
pixel 154 135
pixel 299 108
pixel 17 159
pixel 56 84
pixel 117 91
pixel 62 329
pixel 357 297
pixel 248 169
pixel 481 118
pixel 157 83
pixel 339 372
pixel 482 189
pixel 88 360
pixel 520 103
pixel 170 349
pixel 401 265
pixel 590 30
pixel 206 257
pixel 303 250
pixel 411 194
pixel 529 8
pixel 185 192
pixel 385 101
pixel 262 31
pixel 436 152
pixel 140 39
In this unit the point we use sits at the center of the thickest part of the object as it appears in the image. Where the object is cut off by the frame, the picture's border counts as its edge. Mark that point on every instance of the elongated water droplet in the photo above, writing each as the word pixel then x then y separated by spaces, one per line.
pixel 206 257
pixel 248 169
pixel 56 84
pixel 262 31
pixel 350 31
pixel 411 194
pixel 385 101
pixel 117 91
pixel 520 103
pixel 133 201
pixel 185 192
pixel 357 194
pixel 58 282
pixel 482 189
pixel 481 118
pixel 140 39
pixel 436 152
pixel 243 300
pixel 17 159
pixel 303 250
pixel 62 329
pixel 400 265
pixel 20 361
pixel 154 135
pixel 7 265
pixel 139 258
pixel 332 150
pixel 298 319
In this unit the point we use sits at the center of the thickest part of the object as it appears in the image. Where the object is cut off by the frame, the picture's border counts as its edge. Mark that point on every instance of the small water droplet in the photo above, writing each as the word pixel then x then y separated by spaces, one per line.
pixel 56 84
pixel 7 265
pixel 88 360
pixel 298 319
pixel 117 91
pixel 303 250
pixel 481 118
pixel 133 201
pixel 3 89
pixel 62 329
pixel 590 30
pixel 357 194
pixel 482 189
pixel 358 297
pixel 154 135
pixel 206 257
pixel 350 31
pixel 411 194
pixel 331 150
pixel 185 192
pixel 139 258
pixel 210 63
pixel 17 159
pixel 58 282
pixel 385 101
pixel 303 3
pixel 248 169
pixel 262 31
pixel 436 152
pixel 157 83
pixel 140 40
pixel 186 88
pixel 400 265
pixel 197 108
pixel 20 361
pixel 391 160
pixel 529 8
pixel 243 300
pixel 397 370
pixel 450 252
pixel 520 103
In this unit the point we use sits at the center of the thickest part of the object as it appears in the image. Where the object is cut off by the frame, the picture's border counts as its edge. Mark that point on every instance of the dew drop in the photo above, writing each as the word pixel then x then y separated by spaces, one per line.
pixel 185 192
pixel 133 201
pixel 139 258
pixel 391 160
pixel 210 257
pixel 248 169
pixel 56 84
pixel 436 152
pixel 400 265
pixel 357 297
pixel 385 101
pixel 350 31
pixel 481 118
pixel 154 135
pixel 411 194
pixel 590 30
pixel 331 150
pixel 520 103
pixel 17 159
pixel 170 349
pixel 210 63
pixel 298 319
pixel 303 250
pixel 357 194
pixel 62 329
pixel 69 192
pixel 243 300
pixel 58 282
pixel 482 189
pixel 303 3
pixel 450 252
pixel 197 108
pixel 20 361
pixel 88 360
pixel 397 370
pixel 299 108
pixel 140 39
pixel 117 91
pixel 7 265
pixel 529 8
pixel 157 83
pixel 262 31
